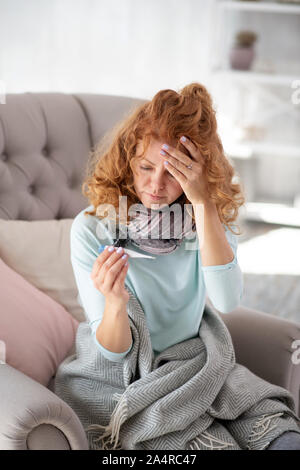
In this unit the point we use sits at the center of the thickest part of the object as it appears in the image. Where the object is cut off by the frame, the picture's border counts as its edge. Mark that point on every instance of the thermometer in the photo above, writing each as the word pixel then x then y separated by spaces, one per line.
pixel 131 253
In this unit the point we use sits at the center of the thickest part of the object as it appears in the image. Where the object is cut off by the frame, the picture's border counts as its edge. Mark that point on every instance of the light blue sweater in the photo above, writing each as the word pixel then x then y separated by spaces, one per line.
pixel 171 288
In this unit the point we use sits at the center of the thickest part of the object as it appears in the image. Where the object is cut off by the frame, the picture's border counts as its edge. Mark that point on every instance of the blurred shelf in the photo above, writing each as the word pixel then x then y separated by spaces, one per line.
pixel 250 83
pixel 271 7
pixel 238 151
pixel 272 213
pixel 269 78
pixel 249 149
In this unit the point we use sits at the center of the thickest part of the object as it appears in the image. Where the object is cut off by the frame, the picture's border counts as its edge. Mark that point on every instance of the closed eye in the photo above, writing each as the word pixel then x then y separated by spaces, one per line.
pixel 146 169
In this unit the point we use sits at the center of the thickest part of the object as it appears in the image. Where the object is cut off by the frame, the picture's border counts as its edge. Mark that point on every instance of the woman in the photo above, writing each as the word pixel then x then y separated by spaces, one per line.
pixel 166 155
pixel 134 167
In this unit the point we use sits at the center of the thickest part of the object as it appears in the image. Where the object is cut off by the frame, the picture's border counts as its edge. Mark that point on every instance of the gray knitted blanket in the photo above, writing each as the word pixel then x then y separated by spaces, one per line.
pixel 193 395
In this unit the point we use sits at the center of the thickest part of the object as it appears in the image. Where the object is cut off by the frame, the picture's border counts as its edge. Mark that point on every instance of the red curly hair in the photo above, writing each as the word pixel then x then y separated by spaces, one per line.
pixel 167 117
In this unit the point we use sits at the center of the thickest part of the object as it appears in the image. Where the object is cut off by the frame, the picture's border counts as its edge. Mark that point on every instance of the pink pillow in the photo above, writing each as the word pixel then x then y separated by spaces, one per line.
pixel 38 331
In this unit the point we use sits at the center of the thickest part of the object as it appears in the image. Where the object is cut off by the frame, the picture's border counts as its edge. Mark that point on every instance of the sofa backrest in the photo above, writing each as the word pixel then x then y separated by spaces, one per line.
pixel 45 140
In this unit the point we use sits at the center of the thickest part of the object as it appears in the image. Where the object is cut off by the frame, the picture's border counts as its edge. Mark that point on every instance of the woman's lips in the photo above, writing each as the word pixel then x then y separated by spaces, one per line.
pixel 155 197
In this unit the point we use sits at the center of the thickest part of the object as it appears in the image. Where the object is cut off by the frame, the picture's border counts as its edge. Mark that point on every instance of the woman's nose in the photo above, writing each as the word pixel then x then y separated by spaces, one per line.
pixel 158 182
pixel 159 176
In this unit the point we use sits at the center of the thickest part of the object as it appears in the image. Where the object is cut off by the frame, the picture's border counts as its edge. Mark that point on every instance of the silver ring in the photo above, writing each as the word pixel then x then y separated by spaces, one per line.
pixel 189 166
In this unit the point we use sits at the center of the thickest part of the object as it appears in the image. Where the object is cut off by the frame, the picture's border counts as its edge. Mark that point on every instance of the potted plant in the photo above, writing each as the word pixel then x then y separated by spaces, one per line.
pixel 242 52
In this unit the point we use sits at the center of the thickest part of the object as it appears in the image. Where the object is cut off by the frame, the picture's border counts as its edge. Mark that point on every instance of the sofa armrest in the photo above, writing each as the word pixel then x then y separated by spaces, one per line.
pixel 267 345
pixel 34 418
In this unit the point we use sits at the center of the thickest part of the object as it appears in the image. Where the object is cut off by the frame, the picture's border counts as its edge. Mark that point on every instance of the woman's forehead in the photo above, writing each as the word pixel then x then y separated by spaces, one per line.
pixel 153 144
pixel 141 145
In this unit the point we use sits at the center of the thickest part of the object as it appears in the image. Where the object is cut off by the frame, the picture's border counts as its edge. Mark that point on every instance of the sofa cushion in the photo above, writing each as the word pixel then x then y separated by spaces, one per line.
pixel 37 331
pixel 40 252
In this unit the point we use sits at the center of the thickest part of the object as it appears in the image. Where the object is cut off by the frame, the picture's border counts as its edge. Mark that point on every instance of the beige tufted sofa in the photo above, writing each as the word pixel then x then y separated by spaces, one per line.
pixel 45 139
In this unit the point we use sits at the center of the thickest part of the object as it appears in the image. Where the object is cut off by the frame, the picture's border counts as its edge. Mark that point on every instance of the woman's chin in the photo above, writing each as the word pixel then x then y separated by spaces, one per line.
pixel 154 204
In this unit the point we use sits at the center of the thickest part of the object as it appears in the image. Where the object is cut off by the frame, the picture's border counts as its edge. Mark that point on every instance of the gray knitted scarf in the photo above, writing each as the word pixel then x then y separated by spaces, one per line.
pixel 158 230
pixel 193 395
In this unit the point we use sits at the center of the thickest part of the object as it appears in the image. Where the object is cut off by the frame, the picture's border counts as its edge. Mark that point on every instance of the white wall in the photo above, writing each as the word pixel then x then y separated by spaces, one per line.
pixel 120 47
pixel 136 48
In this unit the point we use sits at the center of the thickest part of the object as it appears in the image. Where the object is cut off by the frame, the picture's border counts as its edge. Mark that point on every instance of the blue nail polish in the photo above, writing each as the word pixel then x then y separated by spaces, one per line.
pixel 101 248
pixel 162 152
